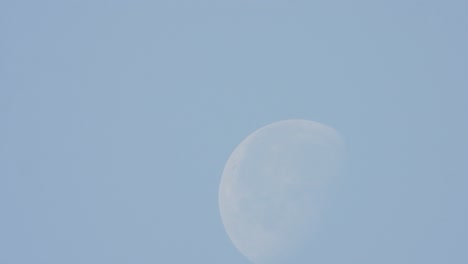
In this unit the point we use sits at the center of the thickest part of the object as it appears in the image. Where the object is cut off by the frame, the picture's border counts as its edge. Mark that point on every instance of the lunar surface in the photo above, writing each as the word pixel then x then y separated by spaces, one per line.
pixel 273 186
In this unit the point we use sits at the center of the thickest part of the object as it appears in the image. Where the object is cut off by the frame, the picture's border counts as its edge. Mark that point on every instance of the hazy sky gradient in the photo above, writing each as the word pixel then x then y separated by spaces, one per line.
pixel 117 117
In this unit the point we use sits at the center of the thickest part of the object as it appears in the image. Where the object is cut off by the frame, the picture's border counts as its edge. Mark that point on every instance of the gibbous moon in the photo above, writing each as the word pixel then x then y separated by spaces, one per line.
pixel 272 188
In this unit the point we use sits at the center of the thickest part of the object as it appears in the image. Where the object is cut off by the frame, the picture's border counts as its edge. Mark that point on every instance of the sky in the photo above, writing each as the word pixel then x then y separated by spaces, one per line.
pixel 117 118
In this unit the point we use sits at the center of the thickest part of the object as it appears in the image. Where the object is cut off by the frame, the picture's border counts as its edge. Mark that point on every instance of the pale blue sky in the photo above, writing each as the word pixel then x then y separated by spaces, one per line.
pixel 117 117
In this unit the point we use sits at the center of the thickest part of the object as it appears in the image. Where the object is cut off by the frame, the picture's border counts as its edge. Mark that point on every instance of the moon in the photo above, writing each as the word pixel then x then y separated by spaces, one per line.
pixel 273 186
